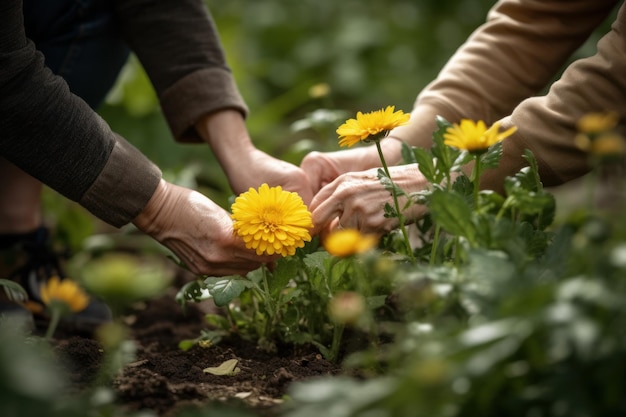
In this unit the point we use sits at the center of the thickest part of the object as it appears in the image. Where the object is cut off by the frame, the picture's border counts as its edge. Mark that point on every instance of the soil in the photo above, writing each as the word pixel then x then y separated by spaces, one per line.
pixel 166 379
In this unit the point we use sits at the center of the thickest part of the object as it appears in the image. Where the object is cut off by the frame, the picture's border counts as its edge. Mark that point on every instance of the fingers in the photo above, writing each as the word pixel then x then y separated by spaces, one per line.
pixel 353 200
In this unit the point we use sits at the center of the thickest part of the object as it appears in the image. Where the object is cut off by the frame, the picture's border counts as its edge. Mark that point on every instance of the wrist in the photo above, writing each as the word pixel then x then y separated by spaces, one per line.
pixel 226 133
pixel 146 219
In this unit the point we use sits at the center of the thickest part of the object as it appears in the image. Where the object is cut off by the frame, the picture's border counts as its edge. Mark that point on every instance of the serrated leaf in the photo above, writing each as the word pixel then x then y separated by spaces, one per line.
pixel 226 289
pixel 285 270
pixel 426 165
pixel 408 157
pixel 452 212
pixel 388 183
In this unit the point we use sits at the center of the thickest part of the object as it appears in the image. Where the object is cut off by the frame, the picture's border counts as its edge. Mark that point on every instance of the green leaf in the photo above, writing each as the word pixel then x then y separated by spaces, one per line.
pixel 407 152
pixel 491 158
pixel 452 212
pixel 286 269
pixel 226 289
pixel 389 184
pixel 15 291
pixel 187 344
pixel 426 165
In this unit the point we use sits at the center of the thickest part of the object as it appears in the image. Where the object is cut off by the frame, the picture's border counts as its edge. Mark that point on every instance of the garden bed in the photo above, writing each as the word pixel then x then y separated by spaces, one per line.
pixel 164 378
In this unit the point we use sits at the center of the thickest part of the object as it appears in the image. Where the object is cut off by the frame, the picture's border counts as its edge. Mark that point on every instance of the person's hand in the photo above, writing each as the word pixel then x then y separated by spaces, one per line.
pixel 244 164
pixel 198 231
pixel 356 200
pixel 260 168
pixel 322 168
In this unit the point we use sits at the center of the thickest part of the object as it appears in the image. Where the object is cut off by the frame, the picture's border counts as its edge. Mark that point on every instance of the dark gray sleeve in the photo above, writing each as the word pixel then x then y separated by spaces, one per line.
pixel 55 137
pixel 178 44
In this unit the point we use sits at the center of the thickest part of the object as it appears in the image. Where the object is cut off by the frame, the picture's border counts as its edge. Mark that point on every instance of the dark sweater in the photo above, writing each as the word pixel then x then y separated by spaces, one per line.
pixel 54 136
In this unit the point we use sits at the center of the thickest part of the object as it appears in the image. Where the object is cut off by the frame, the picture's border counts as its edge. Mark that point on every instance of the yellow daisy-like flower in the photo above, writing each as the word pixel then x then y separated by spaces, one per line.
pixel 597 122
pixel 474 137
pixel 271 220
pixel 346 242
pixel 64 291
pixel 370 124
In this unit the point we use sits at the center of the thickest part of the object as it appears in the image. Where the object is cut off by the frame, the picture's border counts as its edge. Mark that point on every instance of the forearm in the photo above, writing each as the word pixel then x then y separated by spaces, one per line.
pixel 519 49
pixel 547 125
pixel 226 126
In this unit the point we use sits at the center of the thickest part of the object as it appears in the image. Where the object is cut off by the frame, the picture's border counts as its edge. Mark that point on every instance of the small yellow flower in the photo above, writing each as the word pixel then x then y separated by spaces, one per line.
pixel 271 220
pixel 474 137
pixel 64 291
pixel 370 124
pixel 609 144
pixel 597 122
pixel 346 242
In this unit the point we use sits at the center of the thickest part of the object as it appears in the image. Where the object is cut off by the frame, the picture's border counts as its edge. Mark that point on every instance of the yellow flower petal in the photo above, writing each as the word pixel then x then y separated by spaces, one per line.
pixel 64 291
pixel 597 122
pixel 370 124
pixel 271 220
pixel 473 136
pixel 346 242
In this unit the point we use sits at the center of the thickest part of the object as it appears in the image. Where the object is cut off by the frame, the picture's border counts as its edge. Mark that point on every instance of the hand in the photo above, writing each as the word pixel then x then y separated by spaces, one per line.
pixel 357 199
pixel 322 168
pixel 244 164
pixel 198 231
pixel 262 168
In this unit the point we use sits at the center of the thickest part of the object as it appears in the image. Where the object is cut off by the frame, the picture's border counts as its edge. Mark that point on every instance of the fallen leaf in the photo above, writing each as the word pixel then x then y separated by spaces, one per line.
pixel 228 367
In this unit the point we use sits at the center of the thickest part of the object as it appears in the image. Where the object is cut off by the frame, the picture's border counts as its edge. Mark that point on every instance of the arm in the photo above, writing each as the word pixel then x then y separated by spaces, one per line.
pixel 178 44
pixel 513 56
pixel 547 124
pixel 55 137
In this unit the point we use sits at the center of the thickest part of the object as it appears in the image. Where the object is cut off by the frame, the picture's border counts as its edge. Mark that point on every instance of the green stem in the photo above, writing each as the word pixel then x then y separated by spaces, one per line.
pixel 396 204
pixel 269 305
pixel 433 250
pixel 334 347
pixel 476 175
pixel 54 322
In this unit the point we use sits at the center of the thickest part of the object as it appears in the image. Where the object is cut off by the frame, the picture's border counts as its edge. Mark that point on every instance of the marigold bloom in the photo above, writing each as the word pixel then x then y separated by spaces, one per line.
pixel 597 122
pixel 346 242
pixel 474 137
pixel 370 124
pixel 64 291
pixel 271 220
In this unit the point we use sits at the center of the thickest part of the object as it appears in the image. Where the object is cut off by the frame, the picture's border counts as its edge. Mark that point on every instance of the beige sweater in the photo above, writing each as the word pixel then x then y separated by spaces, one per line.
pixel 498 72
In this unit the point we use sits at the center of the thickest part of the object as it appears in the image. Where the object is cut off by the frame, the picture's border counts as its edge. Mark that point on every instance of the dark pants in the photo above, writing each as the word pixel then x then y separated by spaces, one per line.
pixel 80 43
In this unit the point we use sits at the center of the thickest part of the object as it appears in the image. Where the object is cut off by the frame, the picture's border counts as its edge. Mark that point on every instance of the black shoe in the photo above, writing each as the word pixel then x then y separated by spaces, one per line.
pixel 40 263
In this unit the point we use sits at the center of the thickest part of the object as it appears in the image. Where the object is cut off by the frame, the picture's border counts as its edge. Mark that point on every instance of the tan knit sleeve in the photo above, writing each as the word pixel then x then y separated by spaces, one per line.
pixel 512 56
pixel 547 124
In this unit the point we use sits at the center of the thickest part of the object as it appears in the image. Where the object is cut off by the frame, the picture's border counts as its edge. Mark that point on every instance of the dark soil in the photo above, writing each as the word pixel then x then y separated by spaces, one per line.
pixel 164 379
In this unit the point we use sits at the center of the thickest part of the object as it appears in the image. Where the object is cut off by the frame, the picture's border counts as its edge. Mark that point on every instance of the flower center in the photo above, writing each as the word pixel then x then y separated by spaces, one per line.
pixel 272 218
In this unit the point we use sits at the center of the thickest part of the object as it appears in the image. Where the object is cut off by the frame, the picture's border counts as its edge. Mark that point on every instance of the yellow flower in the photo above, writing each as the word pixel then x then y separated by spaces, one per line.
pixel 271 220
pixel 597 122
pixel 609 144
pixel 369 124
pixel 64 291
pixel 475 137
pixel 346 242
